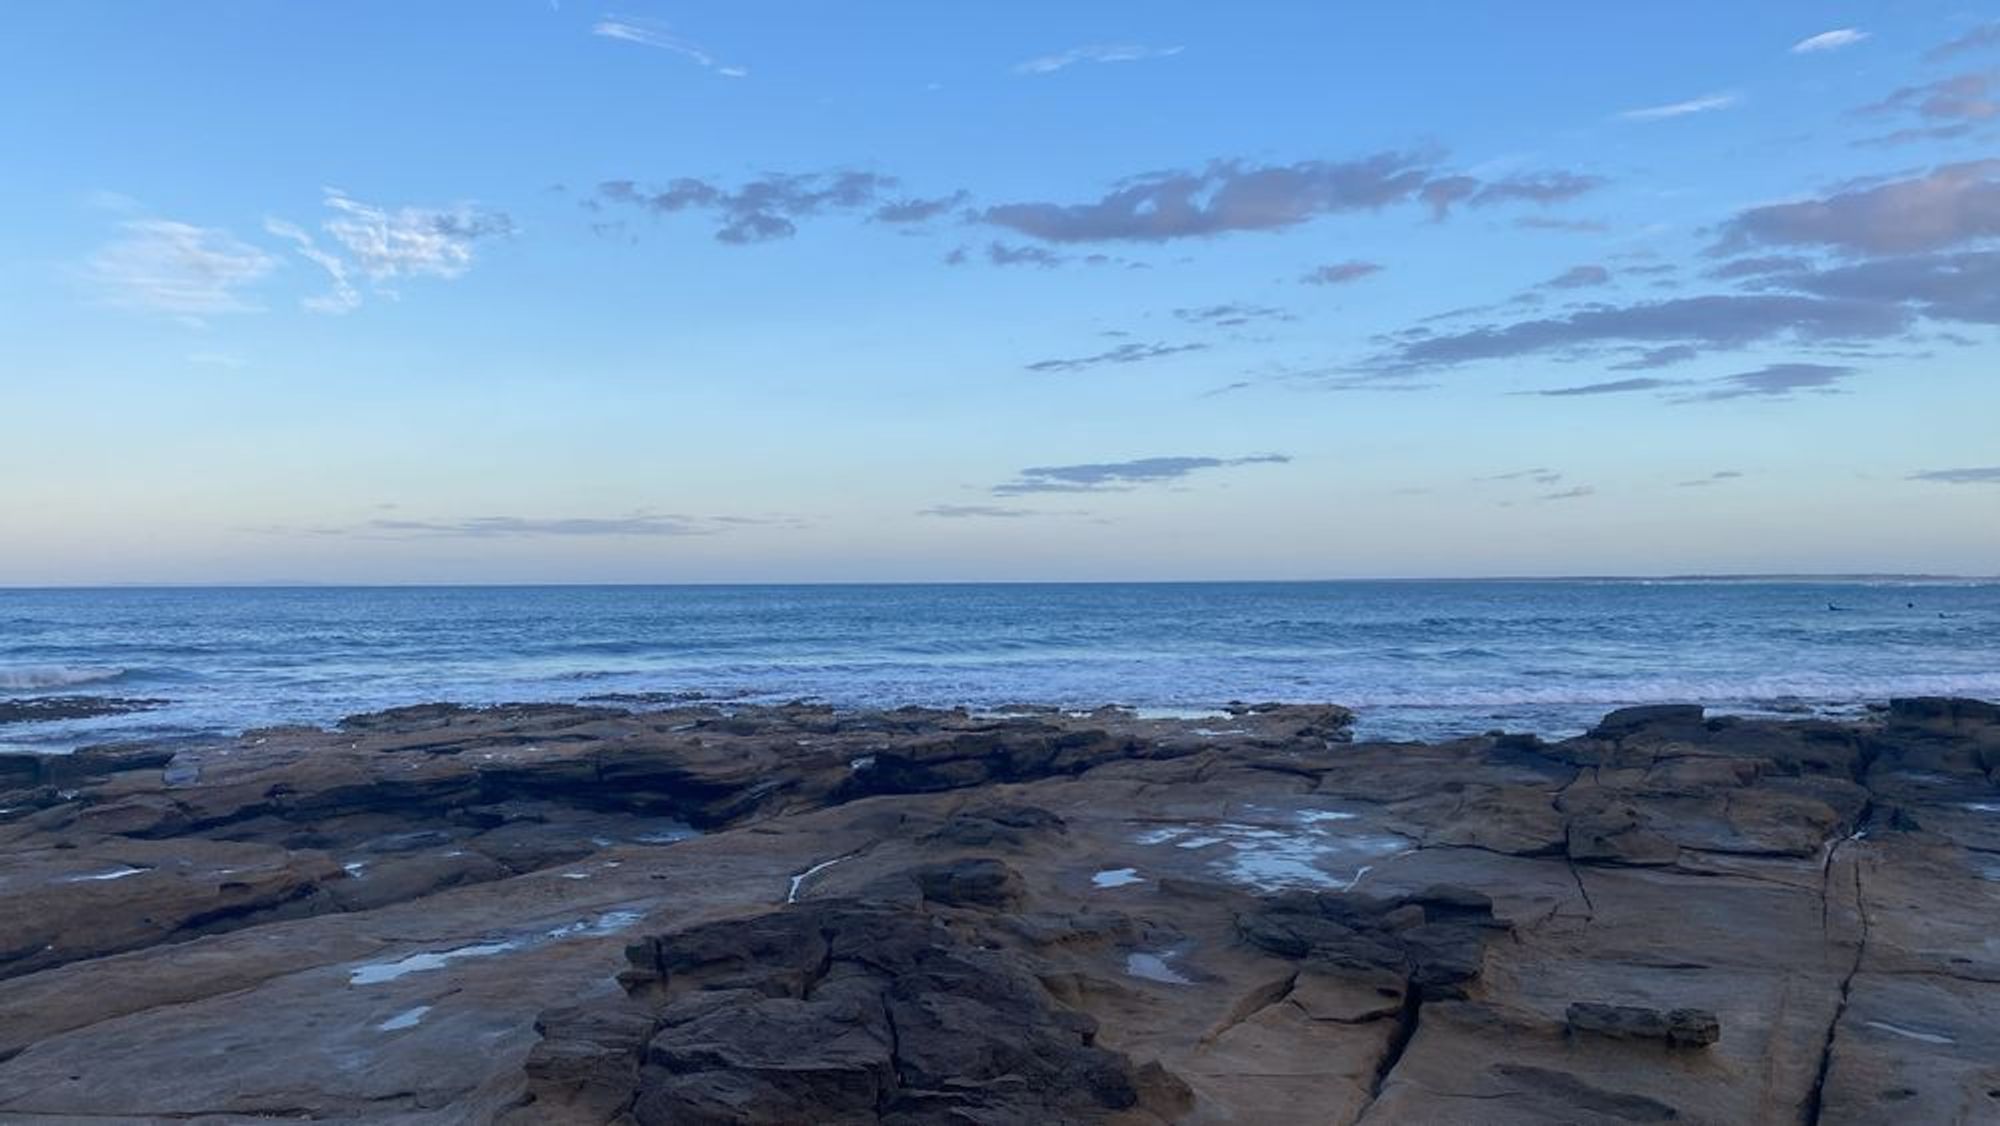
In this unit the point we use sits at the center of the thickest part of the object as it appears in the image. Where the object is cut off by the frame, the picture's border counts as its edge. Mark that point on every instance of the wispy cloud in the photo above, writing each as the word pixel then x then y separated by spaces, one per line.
pixel 1552 223
pixel 159 265
pixel 654 33
pixel 1829 40
pixel 1579 277
pixel 1538 475
pixel 976 511
pixel 1120 476
pixel 1232 314
pixel 1985 35
pixel 1773 381
pixel 410 241
pixel 1952 204
pixel 764 208
pixel 1095 53
pixel 1002 254
pixel 918 210
pixel 1703 104
pixel 1123 354
pixel 1340 273
pixel 1577 493
pixel 1973 475
pixel 1711 479
pixel 1613 387
pixel 343 296
pixel 643 523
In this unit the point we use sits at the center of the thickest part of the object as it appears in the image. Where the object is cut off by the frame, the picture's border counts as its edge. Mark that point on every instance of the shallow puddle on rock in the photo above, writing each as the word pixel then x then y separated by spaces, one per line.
pixel 1116 878
pixel 408 1018
pixel 611 922
pixel 374 973
pixel 1301 848
pixel 1153 967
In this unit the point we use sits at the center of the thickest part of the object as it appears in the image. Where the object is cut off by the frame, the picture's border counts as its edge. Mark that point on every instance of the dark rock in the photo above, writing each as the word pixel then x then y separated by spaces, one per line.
pixel 1625 721
pixel 43 709
pixel 836 1012
pixel 1679 1028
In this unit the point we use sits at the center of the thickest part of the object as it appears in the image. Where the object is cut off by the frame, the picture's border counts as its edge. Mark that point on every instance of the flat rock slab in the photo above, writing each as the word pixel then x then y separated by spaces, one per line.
pixel 425 916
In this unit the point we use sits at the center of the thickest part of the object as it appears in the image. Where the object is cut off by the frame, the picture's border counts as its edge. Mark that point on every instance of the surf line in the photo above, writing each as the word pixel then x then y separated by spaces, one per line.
pixel 799 881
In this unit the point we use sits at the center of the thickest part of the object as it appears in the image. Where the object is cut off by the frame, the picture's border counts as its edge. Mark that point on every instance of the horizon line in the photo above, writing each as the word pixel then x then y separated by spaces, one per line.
pixel 1686 577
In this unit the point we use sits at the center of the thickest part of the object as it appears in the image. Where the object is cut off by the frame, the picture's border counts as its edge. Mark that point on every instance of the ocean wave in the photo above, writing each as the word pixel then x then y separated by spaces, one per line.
pixel 32 678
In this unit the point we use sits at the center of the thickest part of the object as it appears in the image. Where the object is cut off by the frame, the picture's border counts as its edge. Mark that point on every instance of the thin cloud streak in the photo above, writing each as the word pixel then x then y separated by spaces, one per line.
pixel 164 266
pixel 1121 476
pixel 1829 41
pixel 1705 104
pixel 1095 53
pixel 653 33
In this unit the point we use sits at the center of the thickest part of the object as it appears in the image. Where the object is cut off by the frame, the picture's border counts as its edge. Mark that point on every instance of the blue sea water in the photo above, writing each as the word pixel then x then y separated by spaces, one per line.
pixel 1416 659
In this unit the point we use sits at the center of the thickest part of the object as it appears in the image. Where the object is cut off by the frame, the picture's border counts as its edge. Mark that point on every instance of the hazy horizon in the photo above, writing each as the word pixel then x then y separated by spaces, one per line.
pixel 548 293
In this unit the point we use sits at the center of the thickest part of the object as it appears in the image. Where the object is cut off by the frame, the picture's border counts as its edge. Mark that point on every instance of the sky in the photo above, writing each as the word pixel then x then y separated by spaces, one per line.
pixel 533 291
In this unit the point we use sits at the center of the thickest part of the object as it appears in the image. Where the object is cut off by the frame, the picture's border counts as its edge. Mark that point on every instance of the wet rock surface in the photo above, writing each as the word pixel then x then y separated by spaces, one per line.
pixel 43 709
pixel 599 915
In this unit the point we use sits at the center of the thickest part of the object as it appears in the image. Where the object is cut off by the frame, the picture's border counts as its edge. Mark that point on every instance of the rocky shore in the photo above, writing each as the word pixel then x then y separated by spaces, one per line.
pixel 563 914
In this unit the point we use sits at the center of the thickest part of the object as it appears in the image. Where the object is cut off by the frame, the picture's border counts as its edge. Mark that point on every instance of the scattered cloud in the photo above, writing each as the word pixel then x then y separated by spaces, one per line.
pixel 644 523
pixel 1711 479
pixel 1576 493
pixel 1340 273
pixel 1962 98
pixel 654 33
pixel 1974 475
pixel 1001 254
pixel 1613 387
pixel 1706 322
pixel 1123 354
pixel 1538 475
pixel 1702 104
pixel 918 210
pixel 1650 359
pixel 762 209
pixel 975 511
pixel 1773 381
pixel 1231 315
pixel 1228 195
pixel 1952 204
pixel 159 265
pixel 1755 267
pixel 1829 41
pixel 410 241
pixel 1095 53
pixel 1552 223
pixel 1579 277
pixel 1963 286
pixel 343 296
pixel 1539 187
pixel 1985 35
pixel 1120 476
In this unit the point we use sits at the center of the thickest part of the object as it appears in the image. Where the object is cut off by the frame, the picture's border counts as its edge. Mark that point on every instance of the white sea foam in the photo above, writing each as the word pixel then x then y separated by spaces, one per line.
pixel 33 677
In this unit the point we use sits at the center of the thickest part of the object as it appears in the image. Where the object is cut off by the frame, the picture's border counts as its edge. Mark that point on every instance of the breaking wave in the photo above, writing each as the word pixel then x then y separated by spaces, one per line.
pixel 33 678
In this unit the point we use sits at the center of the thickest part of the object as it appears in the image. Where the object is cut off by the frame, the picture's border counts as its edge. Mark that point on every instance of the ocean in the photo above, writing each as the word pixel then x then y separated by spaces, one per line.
pixel 1417 660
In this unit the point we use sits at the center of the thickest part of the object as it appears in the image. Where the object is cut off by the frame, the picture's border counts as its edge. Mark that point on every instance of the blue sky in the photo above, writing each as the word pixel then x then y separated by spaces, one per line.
pixel 709 292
